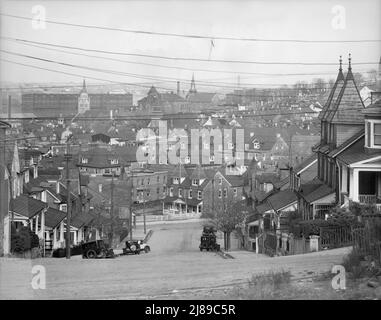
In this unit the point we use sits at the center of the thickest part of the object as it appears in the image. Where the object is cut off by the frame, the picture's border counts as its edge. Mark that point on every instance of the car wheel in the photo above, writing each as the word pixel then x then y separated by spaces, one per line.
pixel 91 254
pixel 147 249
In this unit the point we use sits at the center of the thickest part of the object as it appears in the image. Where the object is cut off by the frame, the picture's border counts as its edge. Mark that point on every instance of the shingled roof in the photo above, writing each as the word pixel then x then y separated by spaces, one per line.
pixel 53 217
pixel 333 94
pixel 26 206
pixel 348 105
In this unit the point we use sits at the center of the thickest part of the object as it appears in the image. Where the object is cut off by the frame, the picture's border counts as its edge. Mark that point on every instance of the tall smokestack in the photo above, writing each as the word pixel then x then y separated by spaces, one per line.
pixel 9 107
pixel 178 88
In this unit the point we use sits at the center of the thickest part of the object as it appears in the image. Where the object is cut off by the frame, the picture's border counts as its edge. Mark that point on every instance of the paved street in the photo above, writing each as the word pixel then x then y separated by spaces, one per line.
pixel 173 267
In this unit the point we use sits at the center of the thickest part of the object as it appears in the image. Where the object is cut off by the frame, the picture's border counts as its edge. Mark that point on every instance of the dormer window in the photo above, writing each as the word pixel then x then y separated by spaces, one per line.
pixel 176 180
pixel 373 134
pixel 85 160
pixel 114 161
pixel 195 182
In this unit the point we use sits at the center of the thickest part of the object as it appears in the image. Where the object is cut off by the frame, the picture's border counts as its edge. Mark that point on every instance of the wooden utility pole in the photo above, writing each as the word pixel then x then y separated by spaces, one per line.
pixel 112 209
pixel 68 206
pixel 131 199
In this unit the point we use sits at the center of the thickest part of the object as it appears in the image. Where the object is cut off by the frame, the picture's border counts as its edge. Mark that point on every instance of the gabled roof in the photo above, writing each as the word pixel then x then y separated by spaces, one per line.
pixel 314 190
pixel 331 98
pixel 306 163
pixel 282 199
pixel 346 144
pixel 356 152
pixel 348 105
pixel 53 217
pixel 82 219
pixel 26 206
pixel 198 173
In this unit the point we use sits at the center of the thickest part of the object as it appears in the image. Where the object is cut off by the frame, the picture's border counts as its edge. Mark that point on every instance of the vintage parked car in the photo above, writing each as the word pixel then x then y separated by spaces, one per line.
pixel 144 246
pixel 209 240
pixel 132 247
pixel 96 249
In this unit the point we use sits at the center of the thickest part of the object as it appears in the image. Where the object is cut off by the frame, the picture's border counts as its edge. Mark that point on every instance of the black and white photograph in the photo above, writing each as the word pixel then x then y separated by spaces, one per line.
pixel 202 152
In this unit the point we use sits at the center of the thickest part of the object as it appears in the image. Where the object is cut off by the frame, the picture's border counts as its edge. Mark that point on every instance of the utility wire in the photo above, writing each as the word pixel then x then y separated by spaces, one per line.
pixel 170 67
pixel 149 77
pixel 188 58
pixel 193 36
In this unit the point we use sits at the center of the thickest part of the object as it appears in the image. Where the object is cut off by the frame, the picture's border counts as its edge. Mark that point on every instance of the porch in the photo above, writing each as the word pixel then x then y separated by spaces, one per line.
pixel 366 188
pixel 179 208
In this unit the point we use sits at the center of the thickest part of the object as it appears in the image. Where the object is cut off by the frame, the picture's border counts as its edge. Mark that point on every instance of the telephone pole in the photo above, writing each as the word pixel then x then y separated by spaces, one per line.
pixel 68 206
pixel 112 209
pixel 131 199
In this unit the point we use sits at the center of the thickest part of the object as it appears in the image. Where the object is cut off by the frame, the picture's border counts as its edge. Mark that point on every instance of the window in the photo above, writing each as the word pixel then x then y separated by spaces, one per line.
pixel 199 195
pixel 180 193
pixel 211 158
pixel 190 194
pixel 235 192
pixel 195 182
pixel 225 193
pixel 377 134
pixel 85 160
pixel 176 180
pixel 148 180
pixel 171 191
pixel 114 161
pixel 157 190
pixel 219 193
pixel 220 181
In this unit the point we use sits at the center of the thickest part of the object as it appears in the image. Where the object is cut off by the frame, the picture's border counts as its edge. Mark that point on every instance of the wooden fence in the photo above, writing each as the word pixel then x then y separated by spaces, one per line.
pixel 335 237
pixel 367 240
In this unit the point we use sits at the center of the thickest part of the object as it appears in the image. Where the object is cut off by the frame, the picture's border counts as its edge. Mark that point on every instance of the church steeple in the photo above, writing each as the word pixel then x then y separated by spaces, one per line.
pixel 84 86
pixel 193 86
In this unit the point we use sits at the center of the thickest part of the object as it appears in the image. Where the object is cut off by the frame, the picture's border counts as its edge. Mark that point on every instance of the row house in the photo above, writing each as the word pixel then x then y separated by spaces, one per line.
pixel 106 161
pixel 347 160
pixel 185 191
pixel 223 190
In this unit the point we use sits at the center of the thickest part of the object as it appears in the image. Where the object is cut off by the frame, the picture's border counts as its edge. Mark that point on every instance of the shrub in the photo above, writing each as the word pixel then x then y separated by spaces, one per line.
pixel 352 264
pixel 23 240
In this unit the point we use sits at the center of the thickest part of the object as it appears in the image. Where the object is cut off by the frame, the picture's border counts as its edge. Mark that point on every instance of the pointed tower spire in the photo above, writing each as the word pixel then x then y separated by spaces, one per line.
pixel 193 85
pixel 340 75
pixel 84 86
pixel 349 73
pixel 341 63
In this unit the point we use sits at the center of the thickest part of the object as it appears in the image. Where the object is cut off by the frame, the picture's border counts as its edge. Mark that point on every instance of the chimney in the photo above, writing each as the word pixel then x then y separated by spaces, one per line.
pixel 9 107
pixel 178 88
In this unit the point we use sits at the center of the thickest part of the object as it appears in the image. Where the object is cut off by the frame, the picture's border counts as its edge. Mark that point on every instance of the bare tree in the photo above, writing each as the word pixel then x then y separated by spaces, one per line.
pixel 227 217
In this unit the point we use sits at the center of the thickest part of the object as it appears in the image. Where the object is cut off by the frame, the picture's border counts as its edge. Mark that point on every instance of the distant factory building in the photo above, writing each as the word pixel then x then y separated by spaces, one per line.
pixel 69 104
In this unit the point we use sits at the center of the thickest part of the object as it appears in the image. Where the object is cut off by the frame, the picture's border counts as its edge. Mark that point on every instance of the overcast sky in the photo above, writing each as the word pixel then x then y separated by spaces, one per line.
pixel 310 20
